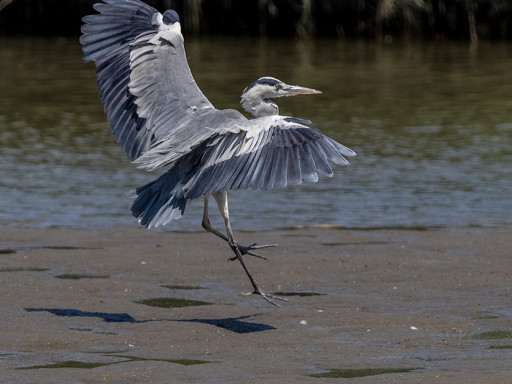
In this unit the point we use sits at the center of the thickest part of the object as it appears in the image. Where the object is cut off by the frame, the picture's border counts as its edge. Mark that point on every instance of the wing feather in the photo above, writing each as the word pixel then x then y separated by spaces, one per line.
pixel 284 153
pixel 130 18
pixel 294 171
pixel 262 178
pixel 273 169
pixel 320 159
pixel 308 164
pixel 236 170
pixel 147 89
pixel 241 181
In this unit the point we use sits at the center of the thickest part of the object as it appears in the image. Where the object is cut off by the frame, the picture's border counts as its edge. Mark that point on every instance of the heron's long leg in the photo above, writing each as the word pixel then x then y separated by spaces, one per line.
pixel 222 202
pixel 206 222
pixel 243 249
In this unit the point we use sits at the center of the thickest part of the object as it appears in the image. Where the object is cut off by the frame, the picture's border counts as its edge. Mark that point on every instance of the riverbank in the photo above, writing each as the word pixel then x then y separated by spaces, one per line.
pixel 385 305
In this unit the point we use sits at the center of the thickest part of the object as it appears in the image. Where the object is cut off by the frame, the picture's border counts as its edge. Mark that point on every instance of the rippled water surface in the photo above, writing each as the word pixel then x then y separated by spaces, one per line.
pixel 432 126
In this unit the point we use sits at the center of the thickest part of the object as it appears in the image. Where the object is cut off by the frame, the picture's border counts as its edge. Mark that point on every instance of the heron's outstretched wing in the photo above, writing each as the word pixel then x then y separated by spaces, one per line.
pixel 265 153
pixel 142 72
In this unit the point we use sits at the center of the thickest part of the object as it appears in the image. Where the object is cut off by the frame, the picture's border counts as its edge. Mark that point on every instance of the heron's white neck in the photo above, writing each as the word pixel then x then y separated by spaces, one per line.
pixel 257 106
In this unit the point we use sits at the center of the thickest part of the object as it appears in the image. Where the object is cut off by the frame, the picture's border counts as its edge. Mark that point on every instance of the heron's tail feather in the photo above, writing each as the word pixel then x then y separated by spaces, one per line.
pixel 159 202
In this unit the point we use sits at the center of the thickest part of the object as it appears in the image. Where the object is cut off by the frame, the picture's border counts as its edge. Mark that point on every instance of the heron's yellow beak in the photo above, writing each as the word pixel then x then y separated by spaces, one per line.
pixel 292 90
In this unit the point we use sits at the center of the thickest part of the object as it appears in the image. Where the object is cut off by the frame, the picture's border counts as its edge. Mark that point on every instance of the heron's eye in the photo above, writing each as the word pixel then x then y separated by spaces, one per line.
pixel 279 86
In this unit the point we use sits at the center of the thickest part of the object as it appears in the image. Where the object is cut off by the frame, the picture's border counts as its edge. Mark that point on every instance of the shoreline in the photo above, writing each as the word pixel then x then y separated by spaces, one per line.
pixel 198 229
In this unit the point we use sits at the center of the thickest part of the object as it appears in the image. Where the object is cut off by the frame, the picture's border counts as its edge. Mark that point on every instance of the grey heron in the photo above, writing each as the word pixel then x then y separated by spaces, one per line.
pixel 160 117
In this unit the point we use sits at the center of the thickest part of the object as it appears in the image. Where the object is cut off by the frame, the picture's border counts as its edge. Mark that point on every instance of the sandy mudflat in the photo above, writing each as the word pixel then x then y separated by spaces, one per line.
pixel 438 302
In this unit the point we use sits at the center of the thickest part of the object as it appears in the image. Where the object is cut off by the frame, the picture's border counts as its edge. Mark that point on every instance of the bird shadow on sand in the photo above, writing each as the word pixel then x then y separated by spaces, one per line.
pixel 233 324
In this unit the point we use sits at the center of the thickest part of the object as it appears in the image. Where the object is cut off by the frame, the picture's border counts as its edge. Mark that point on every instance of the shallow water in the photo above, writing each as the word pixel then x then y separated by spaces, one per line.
pixel 432 126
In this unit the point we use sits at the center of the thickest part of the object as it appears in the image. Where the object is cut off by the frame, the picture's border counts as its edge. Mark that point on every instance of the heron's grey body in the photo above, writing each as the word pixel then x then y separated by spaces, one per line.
pixel 161 118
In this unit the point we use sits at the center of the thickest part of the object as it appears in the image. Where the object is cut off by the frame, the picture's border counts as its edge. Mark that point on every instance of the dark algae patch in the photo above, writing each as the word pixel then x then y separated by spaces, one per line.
pixel 351 373
pixel 174 361
pixel 127 359
pixel 185 287
pixel 493 335
pixel 22 269
pixel 7 251
pixel 77 276
pixel 69 364
pixel 171 302
pixel 189 361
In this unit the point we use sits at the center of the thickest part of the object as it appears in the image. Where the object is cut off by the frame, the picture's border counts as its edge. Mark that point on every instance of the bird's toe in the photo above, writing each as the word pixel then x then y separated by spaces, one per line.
pixel 248 250
pixel 269 297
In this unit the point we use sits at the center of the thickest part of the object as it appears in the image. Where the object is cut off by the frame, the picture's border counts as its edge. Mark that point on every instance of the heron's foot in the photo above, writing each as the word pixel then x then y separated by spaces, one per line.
pixel 248 250
pixel 266 296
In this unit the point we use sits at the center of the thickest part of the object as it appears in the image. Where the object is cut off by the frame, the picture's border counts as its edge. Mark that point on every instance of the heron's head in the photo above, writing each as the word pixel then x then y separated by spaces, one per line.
pixel 256 96
pixel 269 87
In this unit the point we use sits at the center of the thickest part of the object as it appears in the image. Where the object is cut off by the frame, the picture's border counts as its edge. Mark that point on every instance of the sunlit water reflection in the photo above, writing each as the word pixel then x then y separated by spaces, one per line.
pixel 432 126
